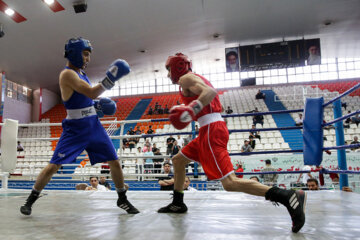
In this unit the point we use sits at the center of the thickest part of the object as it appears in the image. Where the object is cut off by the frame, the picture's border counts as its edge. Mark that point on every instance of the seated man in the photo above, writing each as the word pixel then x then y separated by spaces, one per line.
pixel 229 110
pixel 95 186
pixel 355 142
pixel 20 148
pixel 254 133
pixel 299 120
pixel 356 119
pixel 246 147
pixel 260 95
pixel 104 182
pixel 312 184
pixel 166 183
pixel 150 112
pixel 252 142
pixel 258 118
pixel 187 186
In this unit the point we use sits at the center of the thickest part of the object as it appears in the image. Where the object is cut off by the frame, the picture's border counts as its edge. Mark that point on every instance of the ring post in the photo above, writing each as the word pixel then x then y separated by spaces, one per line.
pixel 340 140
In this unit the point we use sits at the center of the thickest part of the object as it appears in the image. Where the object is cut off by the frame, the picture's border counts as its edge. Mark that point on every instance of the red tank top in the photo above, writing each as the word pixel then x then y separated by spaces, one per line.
pixel 213 107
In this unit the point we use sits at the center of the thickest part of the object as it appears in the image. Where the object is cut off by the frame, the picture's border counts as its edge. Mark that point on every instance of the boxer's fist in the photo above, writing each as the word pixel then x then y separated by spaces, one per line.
pixel 117 70
pixel 181 116
pixel 105 106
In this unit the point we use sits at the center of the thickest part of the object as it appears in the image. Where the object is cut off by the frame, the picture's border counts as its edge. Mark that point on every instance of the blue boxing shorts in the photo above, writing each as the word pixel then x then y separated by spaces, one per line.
pixel 83 134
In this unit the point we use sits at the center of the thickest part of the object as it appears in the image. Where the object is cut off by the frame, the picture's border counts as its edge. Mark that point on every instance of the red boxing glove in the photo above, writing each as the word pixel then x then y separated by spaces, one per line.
pixel 181 116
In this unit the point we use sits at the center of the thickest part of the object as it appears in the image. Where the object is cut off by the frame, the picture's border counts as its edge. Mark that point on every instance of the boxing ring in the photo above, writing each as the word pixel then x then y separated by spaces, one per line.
pixel 330 214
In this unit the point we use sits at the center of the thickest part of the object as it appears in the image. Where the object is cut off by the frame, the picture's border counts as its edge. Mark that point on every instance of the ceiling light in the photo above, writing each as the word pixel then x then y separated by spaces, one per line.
pixel 9 12
pixel 49 2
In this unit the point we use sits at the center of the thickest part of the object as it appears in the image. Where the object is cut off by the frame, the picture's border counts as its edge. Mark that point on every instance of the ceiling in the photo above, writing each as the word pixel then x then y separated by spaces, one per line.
pixel 31 52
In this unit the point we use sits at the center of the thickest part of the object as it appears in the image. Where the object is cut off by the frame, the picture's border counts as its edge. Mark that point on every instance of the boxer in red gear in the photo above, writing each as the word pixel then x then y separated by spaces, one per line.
pixel 202 104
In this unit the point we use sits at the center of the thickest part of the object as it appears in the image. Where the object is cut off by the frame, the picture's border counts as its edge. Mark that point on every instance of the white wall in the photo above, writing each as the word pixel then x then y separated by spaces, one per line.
pixel 17 110
pixel 49 100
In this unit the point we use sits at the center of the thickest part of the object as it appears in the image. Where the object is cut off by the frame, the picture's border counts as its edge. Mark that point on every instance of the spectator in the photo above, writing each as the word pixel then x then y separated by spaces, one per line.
pixel 169 144
pixel 239 170
pixel 258 118
pixel 20 148
pixel 187 140
pixel 180 141
pixel 312 184
pixel 138 132
pixel 344 105
pixel 157 161
pixel 299 120
pixel 229 110
pixel 104 182
pixel 156 108
pixel 131 131
pixel 166 183
pixel 149 164
pixel 150 131
pixel 154 148
pixel 254 133
pixel 305 176
pixel 260 95
pixel 147 146
pixel 175 148
pixel 132 143
pixel 355 142
pixel 177 102
pixel 160 110
pixel 269 179
pixel 138 152
pixel 252 142
pixel 166 109
pixel 196 128
pixel 356 119
pixel 150 112
pixel 255 178
pixel 95 186
pixel 187 186
pixel 347 121
pixel 246 147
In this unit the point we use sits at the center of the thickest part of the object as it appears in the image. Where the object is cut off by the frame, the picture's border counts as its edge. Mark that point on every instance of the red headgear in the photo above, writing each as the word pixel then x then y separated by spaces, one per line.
pixel 179 65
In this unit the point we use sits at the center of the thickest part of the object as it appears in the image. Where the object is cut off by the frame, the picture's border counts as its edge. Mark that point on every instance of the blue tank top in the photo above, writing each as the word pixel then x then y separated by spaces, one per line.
pixel 78 100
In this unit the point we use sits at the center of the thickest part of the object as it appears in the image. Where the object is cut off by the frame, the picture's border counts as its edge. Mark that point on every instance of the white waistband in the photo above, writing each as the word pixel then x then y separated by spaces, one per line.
pixel 209 118
pixel 80 113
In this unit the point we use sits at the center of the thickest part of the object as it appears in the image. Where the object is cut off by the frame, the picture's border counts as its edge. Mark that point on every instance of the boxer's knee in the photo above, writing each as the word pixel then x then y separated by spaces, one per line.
pixel 179 160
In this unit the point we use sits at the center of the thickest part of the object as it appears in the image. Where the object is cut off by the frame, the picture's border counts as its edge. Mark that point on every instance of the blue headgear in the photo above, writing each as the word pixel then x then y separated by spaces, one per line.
pixel 73 50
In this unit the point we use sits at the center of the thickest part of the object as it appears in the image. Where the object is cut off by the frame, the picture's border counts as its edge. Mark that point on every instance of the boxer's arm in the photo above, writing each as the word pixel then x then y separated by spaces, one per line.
pixel 196 85
pixel 70 81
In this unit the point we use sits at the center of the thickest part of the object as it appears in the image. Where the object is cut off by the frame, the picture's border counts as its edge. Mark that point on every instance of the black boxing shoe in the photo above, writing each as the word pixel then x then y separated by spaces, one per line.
pixel 177 206
pixel 123 203
pixel 27 207
pixel 294 201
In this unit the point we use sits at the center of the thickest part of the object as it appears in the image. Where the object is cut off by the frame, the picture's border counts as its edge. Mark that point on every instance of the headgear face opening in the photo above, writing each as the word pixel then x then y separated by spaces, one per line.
pixel 178 65
pixel 74 48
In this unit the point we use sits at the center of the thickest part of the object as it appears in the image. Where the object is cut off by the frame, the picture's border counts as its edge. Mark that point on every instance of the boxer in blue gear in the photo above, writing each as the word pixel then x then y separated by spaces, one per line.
pixel 82 129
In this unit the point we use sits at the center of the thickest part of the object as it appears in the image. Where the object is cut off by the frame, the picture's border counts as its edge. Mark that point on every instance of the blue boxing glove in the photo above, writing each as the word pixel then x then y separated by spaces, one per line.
pixel 104 106
pixel 117 70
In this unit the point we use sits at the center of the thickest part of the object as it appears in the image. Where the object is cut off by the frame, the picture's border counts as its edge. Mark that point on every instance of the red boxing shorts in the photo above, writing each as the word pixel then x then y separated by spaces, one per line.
pixel 210 149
